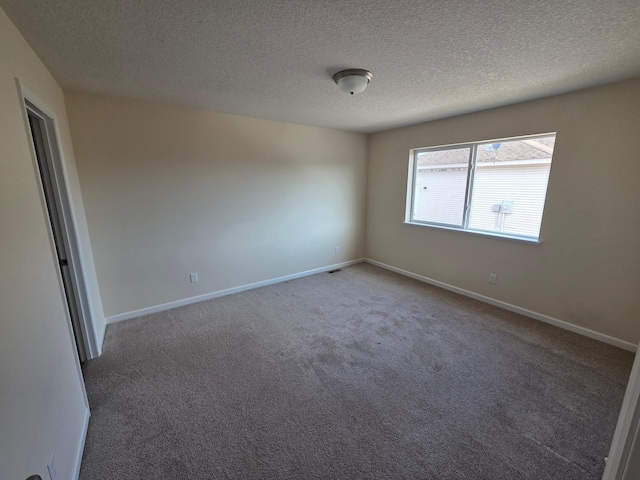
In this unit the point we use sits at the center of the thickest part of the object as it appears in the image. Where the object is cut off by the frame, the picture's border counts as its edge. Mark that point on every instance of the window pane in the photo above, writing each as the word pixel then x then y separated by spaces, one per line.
pixel 510 185
pixel 441 184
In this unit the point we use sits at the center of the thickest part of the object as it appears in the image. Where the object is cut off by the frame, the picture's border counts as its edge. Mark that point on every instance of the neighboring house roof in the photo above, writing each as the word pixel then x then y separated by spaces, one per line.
pixel 509 151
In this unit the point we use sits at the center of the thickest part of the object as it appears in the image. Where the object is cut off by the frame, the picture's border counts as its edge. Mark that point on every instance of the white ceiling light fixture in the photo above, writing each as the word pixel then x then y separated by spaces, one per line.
pixel 353 80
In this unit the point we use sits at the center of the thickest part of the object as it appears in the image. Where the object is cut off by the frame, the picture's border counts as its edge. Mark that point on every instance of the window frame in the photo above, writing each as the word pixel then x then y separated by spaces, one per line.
pixel 471 170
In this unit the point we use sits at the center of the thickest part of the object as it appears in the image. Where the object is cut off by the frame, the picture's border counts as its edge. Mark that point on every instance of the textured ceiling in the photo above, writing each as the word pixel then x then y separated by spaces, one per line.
pixel 275 59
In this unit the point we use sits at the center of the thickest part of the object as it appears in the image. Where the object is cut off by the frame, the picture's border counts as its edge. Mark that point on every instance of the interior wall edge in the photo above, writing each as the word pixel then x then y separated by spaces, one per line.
pixel 81 444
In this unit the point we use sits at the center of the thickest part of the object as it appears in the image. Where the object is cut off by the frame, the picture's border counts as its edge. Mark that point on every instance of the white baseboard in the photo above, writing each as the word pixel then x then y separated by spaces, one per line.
pixel 222 293
pixel 492 301
pixel 513 308
pixel 101 338
pixel 75 474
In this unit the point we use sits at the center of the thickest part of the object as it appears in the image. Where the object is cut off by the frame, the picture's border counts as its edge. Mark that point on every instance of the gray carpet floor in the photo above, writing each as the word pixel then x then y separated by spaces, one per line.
pixel 358 374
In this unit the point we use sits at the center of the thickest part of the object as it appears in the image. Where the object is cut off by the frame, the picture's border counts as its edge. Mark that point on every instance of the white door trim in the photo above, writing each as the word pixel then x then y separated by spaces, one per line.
pixel 628 424
pixel 85 308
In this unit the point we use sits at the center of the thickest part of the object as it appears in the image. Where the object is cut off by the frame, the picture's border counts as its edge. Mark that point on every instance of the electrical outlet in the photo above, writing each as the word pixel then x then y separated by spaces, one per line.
pixel 52 468
pixel 193 277
pixel 337 250
pixel 493 278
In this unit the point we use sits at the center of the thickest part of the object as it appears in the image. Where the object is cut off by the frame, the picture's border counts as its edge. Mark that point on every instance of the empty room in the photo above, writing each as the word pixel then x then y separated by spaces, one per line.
pixel 319 239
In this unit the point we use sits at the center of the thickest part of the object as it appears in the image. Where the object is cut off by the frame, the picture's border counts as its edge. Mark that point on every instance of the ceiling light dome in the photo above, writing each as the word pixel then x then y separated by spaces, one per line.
pixel 353 80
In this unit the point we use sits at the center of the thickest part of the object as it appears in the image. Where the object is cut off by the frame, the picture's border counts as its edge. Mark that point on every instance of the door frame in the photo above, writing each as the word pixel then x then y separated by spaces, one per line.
pixel 627 428
pixel 29 103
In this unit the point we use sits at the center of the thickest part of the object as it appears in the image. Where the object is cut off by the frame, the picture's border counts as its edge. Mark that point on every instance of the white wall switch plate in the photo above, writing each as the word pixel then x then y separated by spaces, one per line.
pixel 193 277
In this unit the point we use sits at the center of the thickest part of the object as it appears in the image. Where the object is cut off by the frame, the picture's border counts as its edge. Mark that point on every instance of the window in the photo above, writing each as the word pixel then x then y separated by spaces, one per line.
pixel 496 187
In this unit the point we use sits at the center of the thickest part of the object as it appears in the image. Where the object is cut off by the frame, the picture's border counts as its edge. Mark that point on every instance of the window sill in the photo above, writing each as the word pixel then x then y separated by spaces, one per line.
pixel 503 236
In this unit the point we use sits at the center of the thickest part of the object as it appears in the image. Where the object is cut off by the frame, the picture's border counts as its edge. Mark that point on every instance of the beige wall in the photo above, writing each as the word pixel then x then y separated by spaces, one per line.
pixel 42 400
pixel 586 271
pixel 169 191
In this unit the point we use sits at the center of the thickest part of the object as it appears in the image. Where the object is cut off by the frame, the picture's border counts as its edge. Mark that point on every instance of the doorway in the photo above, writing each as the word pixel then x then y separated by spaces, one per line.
pixel 56 199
